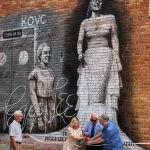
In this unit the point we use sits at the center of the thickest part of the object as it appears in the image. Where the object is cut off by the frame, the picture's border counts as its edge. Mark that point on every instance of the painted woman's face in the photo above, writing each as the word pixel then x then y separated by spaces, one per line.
pixel 96 5
pixel 45 55
pixel 76 124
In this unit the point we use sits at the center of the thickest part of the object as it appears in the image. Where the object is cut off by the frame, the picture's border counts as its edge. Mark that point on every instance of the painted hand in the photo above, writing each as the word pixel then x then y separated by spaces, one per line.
pixel 80 57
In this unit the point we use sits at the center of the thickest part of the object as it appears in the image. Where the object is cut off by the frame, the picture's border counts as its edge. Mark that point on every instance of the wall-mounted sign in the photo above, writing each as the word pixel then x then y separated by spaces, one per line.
pixel 12 34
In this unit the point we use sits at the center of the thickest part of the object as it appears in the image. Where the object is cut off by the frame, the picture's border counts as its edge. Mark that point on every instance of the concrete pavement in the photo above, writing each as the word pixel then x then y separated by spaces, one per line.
pixel 4 147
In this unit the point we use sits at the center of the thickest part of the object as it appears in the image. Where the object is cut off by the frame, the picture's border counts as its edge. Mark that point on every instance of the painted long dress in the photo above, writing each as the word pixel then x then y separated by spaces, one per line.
pixel 70 144
pixel 43 79
pixel 98 80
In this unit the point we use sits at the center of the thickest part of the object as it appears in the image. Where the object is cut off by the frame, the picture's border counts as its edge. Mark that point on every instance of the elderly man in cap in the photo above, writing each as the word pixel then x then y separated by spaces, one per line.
pixel 92 128
pixel 109 135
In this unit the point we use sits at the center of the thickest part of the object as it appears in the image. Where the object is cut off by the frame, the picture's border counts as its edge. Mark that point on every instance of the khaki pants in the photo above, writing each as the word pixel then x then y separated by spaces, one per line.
pixel 18 145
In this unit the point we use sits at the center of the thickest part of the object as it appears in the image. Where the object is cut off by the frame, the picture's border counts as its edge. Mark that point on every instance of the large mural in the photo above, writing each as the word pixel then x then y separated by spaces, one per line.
pixel 56 66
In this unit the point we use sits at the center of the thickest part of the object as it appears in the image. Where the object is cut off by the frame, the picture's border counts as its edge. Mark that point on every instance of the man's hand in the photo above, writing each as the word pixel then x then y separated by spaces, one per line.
pixel 88 143
pixel 88 139
pixel 26 136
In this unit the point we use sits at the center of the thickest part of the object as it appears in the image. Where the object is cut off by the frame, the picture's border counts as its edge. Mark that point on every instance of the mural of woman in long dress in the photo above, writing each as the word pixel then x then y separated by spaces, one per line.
pixel 99 81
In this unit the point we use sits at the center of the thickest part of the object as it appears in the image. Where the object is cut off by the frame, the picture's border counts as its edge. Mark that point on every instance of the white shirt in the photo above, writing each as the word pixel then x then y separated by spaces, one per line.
pixel 15 130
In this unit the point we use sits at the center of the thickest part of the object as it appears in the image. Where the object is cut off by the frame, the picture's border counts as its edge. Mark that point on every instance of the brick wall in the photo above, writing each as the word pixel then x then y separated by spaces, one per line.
pixel 133 30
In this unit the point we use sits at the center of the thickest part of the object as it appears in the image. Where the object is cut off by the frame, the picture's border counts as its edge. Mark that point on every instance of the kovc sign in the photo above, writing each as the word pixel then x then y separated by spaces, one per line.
pixel 33 20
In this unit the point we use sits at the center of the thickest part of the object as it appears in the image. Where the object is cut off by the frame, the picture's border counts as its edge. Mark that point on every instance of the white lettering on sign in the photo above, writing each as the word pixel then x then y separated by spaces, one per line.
pixel 33 20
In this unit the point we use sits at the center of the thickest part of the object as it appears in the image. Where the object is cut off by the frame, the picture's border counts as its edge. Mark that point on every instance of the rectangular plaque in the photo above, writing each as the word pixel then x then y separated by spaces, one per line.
pixel 12 34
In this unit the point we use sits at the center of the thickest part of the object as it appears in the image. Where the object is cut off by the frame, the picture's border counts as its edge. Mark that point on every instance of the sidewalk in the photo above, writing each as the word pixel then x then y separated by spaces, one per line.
pixel 31 144
pixel 4 147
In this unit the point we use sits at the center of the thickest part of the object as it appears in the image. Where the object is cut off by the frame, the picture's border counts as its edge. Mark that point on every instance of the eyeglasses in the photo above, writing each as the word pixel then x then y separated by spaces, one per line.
pixel 93 120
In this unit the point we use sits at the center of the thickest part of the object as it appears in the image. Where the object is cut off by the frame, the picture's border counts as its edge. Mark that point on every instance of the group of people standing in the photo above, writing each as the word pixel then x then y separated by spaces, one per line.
pixel 100 133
